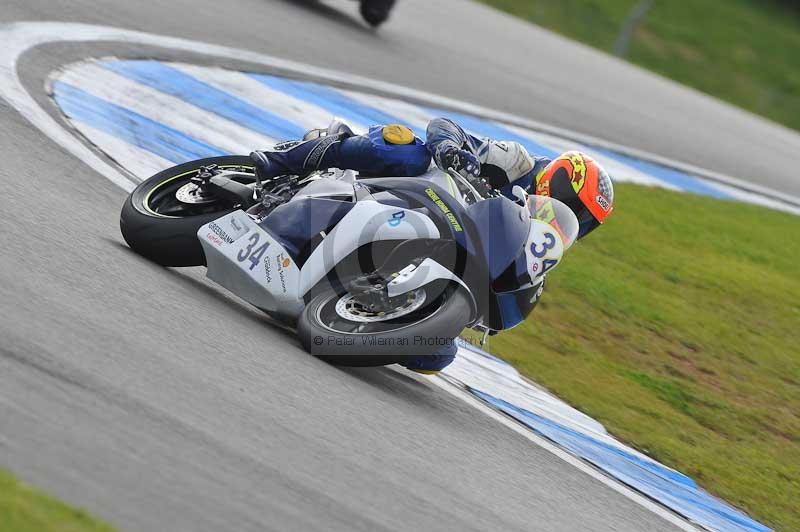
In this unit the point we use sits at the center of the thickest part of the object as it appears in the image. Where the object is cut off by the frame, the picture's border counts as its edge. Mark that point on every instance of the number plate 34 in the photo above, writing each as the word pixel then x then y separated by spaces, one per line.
pixel 543 250
pixel 248 261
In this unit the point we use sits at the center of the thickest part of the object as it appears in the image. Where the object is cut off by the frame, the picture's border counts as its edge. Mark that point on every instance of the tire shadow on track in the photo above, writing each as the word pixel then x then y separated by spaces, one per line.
pixel 400 386
pixel 384 378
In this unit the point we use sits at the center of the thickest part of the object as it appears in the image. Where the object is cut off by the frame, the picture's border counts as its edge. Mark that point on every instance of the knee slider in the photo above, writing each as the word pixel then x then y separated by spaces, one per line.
pixel 398 135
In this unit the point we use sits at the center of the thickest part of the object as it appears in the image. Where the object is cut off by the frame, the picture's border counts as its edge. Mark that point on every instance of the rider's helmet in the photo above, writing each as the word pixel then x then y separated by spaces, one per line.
pixel 582 184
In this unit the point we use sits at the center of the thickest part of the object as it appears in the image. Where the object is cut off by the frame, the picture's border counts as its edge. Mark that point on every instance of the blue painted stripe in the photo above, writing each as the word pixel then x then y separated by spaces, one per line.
pixel 131 127
pixel 171 81
pixel 683 181
pixel 674 490
pixel 333 101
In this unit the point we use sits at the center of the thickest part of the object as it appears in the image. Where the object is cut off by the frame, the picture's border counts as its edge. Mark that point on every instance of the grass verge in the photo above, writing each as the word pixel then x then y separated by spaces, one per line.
pixel 742 51
pixel 677 325
pixel 23 509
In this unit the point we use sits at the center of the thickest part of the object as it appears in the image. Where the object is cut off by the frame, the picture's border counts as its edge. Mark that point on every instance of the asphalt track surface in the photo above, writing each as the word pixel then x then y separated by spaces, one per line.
pixel 159 402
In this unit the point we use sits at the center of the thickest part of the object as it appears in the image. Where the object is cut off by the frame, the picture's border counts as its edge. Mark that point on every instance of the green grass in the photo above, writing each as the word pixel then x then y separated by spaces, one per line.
pixel 677 325
pixel 23 509
pixel 742 51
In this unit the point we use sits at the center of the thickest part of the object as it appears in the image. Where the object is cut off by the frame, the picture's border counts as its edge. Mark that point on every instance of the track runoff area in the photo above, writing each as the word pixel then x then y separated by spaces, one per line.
pixel 145 115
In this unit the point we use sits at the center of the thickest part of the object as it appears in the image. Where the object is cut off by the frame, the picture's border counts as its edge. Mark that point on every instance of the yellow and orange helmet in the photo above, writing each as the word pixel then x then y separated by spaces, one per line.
pixel 582 184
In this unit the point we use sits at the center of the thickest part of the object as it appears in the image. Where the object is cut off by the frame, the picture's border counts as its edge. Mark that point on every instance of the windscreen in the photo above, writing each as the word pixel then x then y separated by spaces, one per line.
pixel 553 212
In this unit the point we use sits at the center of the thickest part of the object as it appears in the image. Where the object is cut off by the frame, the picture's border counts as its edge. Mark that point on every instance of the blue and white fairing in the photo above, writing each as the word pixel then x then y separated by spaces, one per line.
pixel 506 248
pixel 499 250
pixel 534 239
pixel 502 227
pixel 274 269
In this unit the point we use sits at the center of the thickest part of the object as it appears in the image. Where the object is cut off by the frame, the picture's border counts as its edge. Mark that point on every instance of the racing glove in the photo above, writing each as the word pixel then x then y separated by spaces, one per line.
pixel 466 164
pixel 462 161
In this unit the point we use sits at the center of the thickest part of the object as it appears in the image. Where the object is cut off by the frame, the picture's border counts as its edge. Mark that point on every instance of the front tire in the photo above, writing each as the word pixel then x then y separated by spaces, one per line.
pixel 153 224
pixel 345 341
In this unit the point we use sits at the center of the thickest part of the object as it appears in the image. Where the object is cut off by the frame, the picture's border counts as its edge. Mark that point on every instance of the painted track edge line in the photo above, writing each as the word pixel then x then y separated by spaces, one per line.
pixel 620 487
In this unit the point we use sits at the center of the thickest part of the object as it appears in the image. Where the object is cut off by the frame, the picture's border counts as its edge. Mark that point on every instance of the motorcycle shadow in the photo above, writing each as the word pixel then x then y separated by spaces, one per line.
pixel 393 380
pixel 183 276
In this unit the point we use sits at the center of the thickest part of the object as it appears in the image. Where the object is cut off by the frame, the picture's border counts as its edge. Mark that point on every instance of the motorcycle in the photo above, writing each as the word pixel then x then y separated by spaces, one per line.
pixel 370 271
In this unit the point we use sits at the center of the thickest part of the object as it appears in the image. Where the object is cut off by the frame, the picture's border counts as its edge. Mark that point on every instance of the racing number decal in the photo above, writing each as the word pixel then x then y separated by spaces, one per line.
pixel 547 264
pixel 547 246
pixel 244 253
pixel 253 255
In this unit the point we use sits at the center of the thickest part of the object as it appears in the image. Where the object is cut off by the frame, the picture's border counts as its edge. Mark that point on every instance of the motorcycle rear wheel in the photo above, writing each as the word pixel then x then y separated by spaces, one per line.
pixel 347 342
pixel 158 226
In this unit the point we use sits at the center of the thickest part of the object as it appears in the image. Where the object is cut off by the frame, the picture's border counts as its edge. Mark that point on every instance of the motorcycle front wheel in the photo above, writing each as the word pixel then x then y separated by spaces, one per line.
pixel 162 215
pixel 336 328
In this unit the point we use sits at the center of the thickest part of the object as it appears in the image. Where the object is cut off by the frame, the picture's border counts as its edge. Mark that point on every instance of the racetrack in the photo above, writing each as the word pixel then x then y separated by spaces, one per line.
pixel 158 402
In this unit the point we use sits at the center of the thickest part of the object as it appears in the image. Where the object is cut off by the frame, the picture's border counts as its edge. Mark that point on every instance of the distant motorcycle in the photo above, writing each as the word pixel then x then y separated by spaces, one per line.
pixel 370 271
pixel 375 12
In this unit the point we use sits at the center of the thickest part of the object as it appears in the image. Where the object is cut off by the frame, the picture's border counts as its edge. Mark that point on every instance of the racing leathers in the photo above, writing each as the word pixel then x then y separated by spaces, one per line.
pixel 378 153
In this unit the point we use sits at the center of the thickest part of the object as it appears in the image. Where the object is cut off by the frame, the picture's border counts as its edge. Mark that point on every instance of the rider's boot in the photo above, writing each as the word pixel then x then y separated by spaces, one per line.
pixel 300 157
pixel 264 172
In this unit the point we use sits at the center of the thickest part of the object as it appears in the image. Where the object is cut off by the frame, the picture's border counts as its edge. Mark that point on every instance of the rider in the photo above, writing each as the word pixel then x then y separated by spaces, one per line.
pixel 393 150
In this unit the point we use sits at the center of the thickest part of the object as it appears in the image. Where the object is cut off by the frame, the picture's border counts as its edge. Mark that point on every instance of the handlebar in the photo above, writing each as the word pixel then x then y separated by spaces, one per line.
pixel 476 196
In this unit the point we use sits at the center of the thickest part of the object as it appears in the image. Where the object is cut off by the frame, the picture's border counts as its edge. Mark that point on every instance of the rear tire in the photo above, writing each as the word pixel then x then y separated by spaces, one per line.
pixel 171 240
pixel 388 343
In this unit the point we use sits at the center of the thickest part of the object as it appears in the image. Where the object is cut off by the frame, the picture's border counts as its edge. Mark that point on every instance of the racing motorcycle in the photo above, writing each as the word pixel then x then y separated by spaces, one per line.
pixel 370 271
